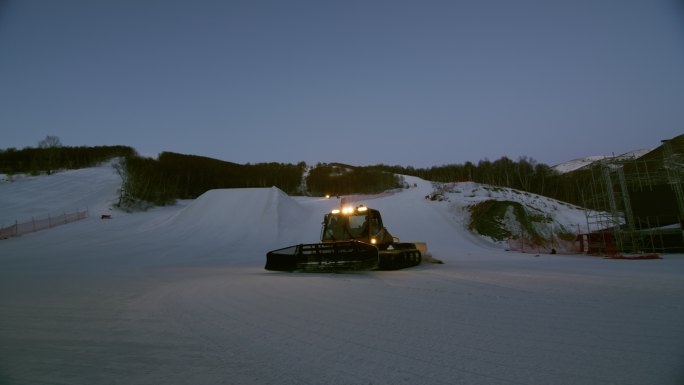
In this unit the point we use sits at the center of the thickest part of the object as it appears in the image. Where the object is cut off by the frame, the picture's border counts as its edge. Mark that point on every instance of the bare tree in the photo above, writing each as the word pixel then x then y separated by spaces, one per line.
pixel 51 145
pixel 50 141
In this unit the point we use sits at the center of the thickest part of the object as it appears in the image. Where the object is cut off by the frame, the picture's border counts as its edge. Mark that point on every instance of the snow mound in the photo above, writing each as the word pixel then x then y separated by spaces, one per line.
pixel 244 215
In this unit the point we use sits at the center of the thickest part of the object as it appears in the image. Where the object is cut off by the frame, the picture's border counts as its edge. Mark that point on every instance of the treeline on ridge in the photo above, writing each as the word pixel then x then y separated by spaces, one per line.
pixel 159 181
pixel 39 160
pixel 177 176
pixel 339 179
pixel 174 176
pixel 525 174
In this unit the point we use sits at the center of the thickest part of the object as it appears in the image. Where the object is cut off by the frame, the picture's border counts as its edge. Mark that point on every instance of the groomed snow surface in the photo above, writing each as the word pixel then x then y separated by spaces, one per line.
pixel 178 295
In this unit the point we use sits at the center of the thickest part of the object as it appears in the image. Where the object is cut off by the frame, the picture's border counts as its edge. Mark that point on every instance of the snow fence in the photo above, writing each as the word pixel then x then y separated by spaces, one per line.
pixel 41 224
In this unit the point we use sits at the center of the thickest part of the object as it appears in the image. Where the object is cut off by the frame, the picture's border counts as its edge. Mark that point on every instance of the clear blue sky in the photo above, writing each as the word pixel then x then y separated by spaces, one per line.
pixel 416 83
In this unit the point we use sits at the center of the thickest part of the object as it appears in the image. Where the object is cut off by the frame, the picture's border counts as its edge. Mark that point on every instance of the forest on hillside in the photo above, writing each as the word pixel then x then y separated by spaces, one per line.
pixel 177 176
pixel 46 160
pixel 174 176
pixel 339 179
pixel 157 181
pixel 524 174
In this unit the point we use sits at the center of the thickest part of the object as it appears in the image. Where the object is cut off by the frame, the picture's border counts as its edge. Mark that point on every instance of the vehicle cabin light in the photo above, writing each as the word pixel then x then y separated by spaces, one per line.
pixel 350 210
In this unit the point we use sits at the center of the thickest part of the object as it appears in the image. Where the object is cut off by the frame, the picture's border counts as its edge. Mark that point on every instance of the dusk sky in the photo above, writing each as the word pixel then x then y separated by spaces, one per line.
pixel 417 83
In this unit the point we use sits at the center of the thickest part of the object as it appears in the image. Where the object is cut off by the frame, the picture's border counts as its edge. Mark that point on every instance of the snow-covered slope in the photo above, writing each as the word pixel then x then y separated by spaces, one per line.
pixel 555 217
pixel 579 163
pixel 179 295
pixel 23 197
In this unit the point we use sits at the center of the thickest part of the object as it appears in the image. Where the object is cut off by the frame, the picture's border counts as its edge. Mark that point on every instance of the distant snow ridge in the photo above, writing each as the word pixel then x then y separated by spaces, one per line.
pixel 239 215
pixel 579 163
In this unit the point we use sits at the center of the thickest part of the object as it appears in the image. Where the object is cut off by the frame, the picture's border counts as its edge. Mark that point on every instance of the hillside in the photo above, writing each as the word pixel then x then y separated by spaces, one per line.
pixel 96 189
pixel 173 176
pixel 586 162
pixel 178 294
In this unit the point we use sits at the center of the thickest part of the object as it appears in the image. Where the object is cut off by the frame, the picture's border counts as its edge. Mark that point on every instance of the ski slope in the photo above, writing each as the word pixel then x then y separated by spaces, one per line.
pixel 178 295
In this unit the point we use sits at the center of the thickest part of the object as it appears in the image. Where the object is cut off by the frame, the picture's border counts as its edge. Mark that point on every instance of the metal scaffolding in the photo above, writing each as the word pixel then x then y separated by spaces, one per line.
pixel 653 224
